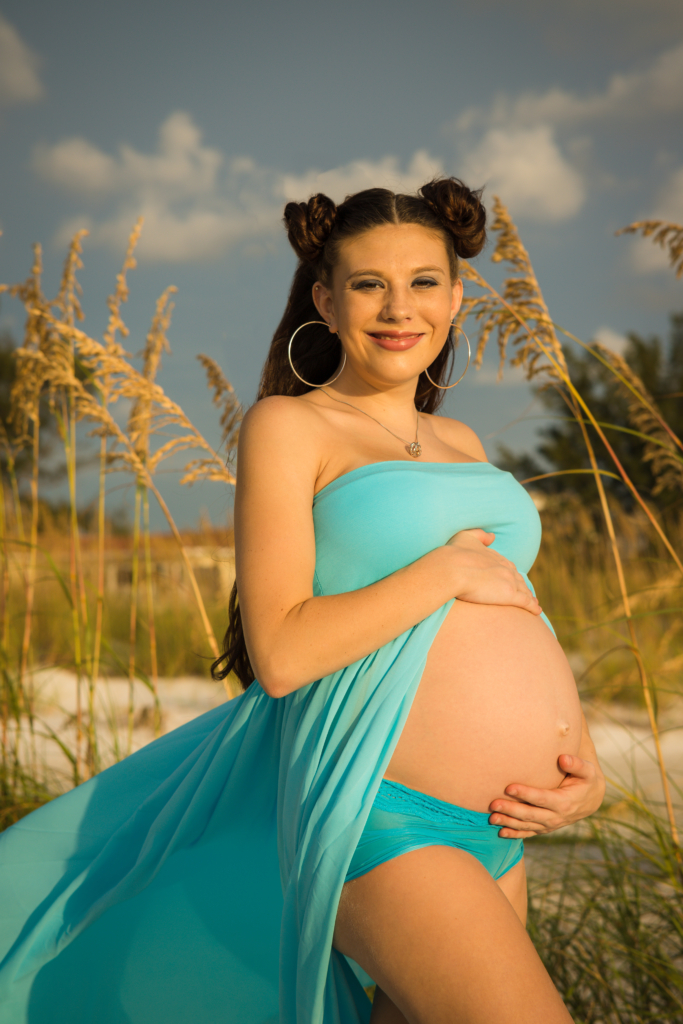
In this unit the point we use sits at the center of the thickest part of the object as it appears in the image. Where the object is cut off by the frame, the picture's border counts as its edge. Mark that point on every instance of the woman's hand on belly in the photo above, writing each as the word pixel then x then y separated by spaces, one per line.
pixel 497 703
pixel 483 576
pixel 533 812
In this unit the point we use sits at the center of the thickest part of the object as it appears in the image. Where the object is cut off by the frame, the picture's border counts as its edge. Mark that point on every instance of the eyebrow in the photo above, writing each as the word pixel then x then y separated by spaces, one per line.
pixel 378 273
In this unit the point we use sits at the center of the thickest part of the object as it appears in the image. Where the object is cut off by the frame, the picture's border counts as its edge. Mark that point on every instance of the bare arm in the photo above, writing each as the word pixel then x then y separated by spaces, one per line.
pixel 294 638
pixel 532 812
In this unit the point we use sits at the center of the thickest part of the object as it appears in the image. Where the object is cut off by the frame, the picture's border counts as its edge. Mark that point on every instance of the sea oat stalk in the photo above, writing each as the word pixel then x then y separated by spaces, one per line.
pixel 132 640
pixel 130 384
pixel 115 325
pixel 151 625
pixel 139 426
pixel 663 233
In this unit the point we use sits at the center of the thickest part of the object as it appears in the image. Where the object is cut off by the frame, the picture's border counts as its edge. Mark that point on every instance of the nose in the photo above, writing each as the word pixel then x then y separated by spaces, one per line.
pixel 398 306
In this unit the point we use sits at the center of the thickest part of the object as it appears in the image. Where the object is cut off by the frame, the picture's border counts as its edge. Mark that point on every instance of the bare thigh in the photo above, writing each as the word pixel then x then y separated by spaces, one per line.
pixel 445 943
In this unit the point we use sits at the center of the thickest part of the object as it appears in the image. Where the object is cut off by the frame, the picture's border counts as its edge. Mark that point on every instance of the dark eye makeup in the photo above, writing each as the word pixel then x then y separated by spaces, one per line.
pixel 369 284
pixel 366 285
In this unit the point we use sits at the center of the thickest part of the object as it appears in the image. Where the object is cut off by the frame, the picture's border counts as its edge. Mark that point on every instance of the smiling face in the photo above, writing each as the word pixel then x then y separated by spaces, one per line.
pixel 391 301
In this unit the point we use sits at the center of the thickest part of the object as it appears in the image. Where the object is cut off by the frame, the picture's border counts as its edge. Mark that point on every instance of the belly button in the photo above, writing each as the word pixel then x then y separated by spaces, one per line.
pixel 564 728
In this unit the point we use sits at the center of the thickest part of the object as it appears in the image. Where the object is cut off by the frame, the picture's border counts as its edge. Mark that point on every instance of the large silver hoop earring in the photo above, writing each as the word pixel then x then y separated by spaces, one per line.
pixel 289 356
pixel 447 387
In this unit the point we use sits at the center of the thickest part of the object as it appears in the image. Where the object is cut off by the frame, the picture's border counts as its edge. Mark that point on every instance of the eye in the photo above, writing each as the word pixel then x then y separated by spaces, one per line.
pixel 367 285
pixel 425 282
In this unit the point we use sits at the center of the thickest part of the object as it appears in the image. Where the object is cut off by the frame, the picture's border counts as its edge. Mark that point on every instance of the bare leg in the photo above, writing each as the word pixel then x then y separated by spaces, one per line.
pixel 444 944
pixel 513 884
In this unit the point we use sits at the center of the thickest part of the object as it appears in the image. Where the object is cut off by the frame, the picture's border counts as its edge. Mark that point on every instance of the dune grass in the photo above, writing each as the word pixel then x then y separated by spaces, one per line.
pixel 607 920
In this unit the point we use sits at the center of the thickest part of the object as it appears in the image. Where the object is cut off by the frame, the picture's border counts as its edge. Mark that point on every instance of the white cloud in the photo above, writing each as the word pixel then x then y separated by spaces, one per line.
pixel 526 168
pixel 76 166
pixel 181 167
pixel 196 203
pixel 611 339
pixel 647 257
pixel 361 174
pixel 522 144
pixel 19 81
pixel 658 89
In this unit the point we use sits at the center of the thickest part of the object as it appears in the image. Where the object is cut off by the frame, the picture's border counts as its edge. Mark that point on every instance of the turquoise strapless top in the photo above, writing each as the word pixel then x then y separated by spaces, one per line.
pixel 378 518
pixel 198 879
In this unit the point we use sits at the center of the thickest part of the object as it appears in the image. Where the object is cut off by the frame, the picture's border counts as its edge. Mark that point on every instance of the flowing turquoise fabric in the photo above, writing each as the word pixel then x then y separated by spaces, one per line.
pixel 197 881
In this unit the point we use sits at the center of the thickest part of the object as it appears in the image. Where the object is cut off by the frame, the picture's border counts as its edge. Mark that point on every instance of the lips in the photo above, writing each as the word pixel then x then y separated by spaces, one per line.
pixel 395 341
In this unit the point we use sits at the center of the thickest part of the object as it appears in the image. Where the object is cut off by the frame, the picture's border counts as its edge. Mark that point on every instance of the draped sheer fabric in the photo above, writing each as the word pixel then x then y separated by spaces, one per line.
pixel 198 880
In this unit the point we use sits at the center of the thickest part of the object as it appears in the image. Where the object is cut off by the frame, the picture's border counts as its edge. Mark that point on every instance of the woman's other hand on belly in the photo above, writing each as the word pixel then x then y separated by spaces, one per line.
pixel 533 812
pixel 483 576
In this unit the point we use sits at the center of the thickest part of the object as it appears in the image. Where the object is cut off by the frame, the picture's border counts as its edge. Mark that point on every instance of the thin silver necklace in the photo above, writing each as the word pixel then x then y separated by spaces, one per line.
pixel 414 448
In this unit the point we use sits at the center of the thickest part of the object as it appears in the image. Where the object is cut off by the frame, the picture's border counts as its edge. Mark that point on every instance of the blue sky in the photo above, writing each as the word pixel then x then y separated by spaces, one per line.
pixel 206 117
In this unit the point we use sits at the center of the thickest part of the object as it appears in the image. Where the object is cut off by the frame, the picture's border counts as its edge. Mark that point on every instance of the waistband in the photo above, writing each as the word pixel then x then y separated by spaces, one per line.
pixel 392 796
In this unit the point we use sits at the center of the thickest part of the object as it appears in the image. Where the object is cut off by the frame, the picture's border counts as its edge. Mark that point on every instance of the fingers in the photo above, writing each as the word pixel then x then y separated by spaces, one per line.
pixel 510 813
pixel 573 765
pixel 513 827
pixel 547 799
pixel 489 577
pixel 509 833
pixel 534 811
pixel 517 821
pixel 529 602
pixel 509 825
pixel 523 598
pixel 483 536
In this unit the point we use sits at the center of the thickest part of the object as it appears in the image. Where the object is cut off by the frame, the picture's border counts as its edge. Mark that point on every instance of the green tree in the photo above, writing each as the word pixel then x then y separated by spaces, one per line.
pixel 660 367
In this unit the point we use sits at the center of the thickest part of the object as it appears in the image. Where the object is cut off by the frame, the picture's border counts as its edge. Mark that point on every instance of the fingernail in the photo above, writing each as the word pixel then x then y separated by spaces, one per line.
pixel 513 792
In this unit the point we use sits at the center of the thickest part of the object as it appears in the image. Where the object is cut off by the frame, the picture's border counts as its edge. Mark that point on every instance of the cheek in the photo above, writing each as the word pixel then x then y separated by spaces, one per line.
pixel 357 308
pixel 437 306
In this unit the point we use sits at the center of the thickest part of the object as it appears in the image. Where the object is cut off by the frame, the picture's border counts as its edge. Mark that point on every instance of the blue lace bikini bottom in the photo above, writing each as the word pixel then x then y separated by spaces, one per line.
pixel 403 819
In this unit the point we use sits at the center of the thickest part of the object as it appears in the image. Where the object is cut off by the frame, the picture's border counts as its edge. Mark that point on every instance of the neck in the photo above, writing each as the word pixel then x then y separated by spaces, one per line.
pixel 376 396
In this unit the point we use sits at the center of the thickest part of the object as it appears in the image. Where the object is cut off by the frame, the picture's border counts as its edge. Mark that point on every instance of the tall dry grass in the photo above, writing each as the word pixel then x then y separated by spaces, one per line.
pixel 576 575
pixel 606 916
pixel 82 379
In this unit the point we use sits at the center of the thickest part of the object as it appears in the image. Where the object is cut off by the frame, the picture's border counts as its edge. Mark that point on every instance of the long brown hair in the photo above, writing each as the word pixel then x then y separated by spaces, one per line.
pixel 316 230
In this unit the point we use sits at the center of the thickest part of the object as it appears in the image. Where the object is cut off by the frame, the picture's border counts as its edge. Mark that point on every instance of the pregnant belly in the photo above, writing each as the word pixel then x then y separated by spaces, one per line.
pixel 497 704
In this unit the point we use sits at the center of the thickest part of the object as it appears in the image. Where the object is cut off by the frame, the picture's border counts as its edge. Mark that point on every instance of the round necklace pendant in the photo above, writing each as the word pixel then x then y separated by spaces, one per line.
pixel 414 449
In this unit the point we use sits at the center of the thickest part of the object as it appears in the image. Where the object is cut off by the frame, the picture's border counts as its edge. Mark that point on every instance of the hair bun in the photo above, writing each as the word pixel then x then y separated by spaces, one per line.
pixel 309 225
pixel 462 212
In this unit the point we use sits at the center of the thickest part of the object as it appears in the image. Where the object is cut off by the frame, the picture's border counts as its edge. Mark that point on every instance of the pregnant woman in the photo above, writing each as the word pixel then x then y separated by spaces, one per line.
pixel 408 714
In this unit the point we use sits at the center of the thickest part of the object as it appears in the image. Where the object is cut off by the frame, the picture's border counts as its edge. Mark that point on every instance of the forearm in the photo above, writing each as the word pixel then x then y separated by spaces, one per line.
pixel 321 635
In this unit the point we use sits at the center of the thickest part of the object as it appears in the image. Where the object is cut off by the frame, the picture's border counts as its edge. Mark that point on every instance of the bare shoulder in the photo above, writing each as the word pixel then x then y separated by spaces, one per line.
pixel 281 431
pixel 277 409
pixel 458 435
pixel 281 418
